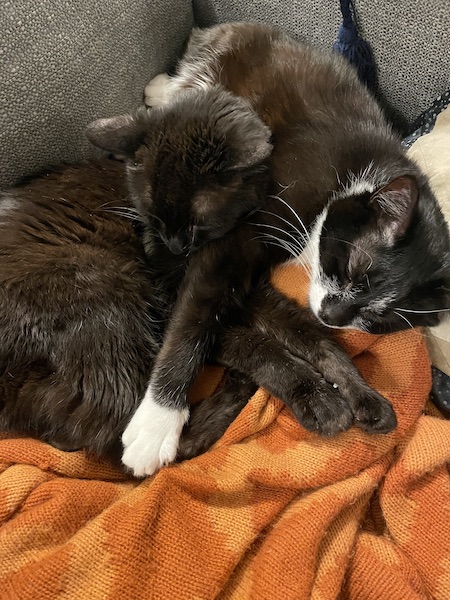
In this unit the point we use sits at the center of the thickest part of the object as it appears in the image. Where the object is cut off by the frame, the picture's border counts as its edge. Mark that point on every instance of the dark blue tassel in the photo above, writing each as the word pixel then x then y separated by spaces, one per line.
pixel 353 47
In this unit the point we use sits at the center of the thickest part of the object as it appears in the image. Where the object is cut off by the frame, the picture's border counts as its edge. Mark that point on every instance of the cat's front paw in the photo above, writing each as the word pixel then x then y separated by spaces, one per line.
pixel 151 438
pixel 319 406
pixel 373 413
pixel 157 92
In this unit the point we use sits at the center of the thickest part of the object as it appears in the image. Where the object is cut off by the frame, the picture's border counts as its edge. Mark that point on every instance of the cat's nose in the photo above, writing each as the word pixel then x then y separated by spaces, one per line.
pixel 175 245
pixel 334 314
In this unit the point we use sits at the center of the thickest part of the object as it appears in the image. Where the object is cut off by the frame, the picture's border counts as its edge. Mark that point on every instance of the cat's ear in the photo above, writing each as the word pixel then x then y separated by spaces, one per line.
pixel 394 206
pixel 247 134
pixel 119 135
pixel 253 145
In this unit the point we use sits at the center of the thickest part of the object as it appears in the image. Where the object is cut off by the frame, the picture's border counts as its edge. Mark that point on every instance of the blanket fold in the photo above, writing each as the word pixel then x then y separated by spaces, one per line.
pixel 272 511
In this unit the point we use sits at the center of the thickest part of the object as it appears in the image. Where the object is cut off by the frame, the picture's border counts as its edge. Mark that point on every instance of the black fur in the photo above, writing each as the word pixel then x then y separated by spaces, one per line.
pixel 327 134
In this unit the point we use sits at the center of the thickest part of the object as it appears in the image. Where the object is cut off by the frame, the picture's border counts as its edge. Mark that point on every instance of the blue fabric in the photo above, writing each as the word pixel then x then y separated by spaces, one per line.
pixel 350 44
pixel 426 120
pixel 440 393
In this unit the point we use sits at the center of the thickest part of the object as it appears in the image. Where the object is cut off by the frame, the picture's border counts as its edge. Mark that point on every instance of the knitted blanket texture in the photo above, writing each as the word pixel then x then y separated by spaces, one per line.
pixel 272 511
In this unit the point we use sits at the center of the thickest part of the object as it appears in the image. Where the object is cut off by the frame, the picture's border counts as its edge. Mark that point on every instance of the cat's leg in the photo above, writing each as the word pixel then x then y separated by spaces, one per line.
pixel 210 418
pixel 209 295
pixel 198 68
pixel 83 394
pixel 101 374
pixel 300 333
pixel 315 400
pixel 152 436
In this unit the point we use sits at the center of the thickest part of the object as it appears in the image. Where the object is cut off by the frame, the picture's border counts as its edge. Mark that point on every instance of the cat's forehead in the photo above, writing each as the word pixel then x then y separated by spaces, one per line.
pixel 349 237
pixel 192 150
pixel 348 213
pixel 207 133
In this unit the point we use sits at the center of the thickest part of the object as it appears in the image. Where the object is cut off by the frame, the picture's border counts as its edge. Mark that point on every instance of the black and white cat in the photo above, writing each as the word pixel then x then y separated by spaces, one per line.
pixel 339 182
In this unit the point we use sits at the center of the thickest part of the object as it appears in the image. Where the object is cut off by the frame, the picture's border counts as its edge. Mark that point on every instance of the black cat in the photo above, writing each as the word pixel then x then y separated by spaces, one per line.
pixel 82 316
pixel 339 184
pixel 80 319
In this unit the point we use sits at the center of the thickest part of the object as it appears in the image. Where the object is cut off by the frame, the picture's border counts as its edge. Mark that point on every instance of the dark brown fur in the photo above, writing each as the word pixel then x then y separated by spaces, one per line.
pixel 80 320
pixel 326 129
pixel 199 173
pixel 83 312
pixel 81 317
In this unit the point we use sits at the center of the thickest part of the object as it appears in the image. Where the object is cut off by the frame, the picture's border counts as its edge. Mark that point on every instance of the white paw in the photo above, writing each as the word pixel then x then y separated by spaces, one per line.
pixel 158 92
pixel 151 438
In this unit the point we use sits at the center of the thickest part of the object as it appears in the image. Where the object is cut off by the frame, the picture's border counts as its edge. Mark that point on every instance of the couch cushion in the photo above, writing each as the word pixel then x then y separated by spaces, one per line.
pixel 63 64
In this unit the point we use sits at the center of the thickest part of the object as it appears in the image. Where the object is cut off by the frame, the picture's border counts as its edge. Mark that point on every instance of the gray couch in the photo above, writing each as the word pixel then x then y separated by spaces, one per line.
pixel 63 64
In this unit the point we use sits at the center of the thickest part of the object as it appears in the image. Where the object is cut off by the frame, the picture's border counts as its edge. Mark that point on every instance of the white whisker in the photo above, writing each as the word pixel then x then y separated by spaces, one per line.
pixel 122 211
pixel 268 212
pixel 423 312
pixel 404 318
pixel 364 325
pixel 286 187
pixel 293 212
pixel 296 241
pixel 275 241
pixel 421 333
pixel 288 246
pixel 337 177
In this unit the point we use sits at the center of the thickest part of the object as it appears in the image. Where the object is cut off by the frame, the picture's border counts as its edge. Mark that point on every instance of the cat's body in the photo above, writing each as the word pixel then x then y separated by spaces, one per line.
pixel 330 140
pixel 207 151
pixel 80 320
pixel 82 315
pixel 379 244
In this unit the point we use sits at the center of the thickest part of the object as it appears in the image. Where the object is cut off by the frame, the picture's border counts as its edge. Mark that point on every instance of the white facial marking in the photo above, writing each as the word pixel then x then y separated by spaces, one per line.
pixel 360 183
pixel 357 188
pixel 358 323
pixel 152 436
pixel 380 304
pixel 317 291
pixel 322 286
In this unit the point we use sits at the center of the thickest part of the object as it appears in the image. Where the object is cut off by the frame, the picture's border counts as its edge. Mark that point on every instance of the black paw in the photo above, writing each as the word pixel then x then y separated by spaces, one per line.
pixel 64 446
pixel 319 407
pixel 202 431
pixel 211 418
pixel 373 413
pixel 190 448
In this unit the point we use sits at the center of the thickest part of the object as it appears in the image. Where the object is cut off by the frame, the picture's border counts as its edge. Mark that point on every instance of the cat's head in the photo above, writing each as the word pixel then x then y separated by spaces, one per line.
pixel 380 257
pixel 195 167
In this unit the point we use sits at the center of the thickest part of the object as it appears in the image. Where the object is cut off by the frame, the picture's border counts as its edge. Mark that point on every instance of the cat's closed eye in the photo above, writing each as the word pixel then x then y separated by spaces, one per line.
pixel 356 277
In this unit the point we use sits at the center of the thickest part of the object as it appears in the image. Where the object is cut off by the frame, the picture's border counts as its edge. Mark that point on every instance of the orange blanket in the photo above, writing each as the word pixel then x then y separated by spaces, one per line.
pixel 271 512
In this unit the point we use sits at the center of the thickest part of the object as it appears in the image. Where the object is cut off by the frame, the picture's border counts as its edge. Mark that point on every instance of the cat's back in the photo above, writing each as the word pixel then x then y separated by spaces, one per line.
pixel 66 216
pixel 77 308
pixel 288 82
pixel 64 202
pixel 324 122
pixel 66 242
